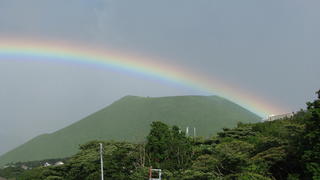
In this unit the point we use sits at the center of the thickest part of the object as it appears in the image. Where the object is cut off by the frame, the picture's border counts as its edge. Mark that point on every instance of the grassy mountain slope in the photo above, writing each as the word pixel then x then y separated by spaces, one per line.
pixel 129 119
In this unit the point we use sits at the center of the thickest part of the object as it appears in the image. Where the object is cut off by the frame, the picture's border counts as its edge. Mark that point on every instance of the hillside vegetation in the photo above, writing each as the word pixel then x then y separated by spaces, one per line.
pixel 281 149
pixel 129 119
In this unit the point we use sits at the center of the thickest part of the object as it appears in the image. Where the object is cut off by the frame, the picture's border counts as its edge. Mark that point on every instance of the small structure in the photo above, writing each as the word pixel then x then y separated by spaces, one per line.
pixel 187 131
pixel 156 175
pixel 24 167
pixel 46 164
pixel 277 117
pixel 59 163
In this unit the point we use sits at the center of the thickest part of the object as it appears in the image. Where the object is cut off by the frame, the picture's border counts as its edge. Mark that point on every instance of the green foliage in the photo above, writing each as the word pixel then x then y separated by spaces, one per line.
pixel 85 163
pixel 158 146
pixel 281 149
pixel 10 172
pixel 140 173
pixel 34 174
pixel 311 140
pixel 246 176
pixel 53 178
pixel 180 150
pixel 168 148
pixel 191 174
pixel 121 163
pixel 233 156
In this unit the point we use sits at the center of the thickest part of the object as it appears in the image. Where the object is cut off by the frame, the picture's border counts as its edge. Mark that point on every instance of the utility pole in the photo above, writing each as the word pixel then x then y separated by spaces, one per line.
pixel 101 158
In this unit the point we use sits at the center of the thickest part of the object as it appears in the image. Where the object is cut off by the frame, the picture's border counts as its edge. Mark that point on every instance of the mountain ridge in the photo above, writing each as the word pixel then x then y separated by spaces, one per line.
pixel 128 119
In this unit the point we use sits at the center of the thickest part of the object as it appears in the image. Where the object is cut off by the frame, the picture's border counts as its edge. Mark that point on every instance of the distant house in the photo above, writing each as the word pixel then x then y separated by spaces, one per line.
pixel 59 163
pixel 1 178
pixel 46 164
pixel 281 116
pixel 24 167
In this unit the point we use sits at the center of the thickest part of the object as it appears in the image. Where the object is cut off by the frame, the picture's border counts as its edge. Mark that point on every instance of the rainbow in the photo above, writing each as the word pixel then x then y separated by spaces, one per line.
pixel 72 53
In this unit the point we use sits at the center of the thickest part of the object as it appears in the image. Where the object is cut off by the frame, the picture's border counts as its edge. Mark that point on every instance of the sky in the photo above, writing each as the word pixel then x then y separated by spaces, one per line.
pixel 266 48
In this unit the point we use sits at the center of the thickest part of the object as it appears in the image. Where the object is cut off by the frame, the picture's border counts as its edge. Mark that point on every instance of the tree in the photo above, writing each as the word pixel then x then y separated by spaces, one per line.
pixel 158 143
pixel 122 162
pixel 233 156
pixel 167 147
pixel 311 139
pixel 179 150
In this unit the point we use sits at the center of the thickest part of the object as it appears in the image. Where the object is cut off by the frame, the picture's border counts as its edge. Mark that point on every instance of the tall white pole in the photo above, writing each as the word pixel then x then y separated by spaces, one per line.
pixel 101 158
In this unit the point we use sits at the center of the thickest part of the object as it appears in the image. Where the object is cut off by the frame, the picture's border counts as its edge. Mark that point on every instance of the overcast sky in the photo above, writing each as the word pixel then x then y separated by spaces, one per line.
pixel 270 48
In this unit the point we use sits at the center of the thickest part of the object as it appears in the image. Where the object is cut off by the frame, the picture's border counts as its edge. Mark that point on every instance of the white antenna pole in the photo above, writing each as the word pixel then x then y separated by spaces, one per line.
pixel 194 132
pixel 101 158
pixel 187 131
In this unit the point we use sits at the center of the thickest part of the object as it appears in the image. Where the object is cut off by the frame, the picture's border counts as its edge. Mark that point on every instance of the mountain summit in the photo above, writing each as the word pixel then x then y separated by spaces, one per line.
pixel 129 119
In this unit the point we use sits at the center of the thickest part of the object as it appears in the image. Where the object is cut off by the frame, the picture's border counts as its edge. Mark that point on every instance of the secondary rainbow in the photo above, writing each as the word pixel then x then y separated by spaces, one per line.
pixel 72 53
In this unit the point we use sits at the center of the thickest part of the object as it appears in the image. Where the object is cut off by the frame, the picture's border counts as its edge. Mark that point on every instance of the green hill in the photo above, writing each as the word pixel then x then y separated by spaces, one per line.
pixel 129 119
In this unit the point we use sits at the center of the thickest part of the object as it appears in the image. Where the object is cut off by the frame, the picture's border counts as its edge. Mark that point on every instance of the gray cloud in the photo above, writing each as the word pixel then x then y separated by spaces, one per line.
pixel 269 48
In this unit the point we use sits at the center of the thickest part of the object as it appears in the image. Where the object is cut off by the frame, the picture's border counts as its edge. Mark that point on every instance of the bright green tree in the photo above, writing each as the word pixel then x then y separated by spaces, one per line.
pixel 158 143
pixel 179 150
pixel 168 148
pixel 311 139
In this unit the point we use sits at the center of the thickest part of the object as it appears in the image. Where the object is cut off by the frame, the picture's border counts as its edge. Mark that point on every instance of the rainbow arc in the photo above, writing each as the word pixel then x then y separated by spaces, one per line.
pixel 71 53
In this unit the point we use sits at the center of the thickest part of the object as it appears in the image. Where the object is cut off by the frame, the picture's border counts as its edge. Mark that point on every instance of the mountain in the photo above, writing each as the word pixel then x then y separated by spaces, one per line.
pixel 129 119
pixel 6 145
